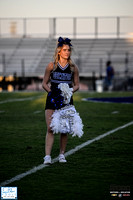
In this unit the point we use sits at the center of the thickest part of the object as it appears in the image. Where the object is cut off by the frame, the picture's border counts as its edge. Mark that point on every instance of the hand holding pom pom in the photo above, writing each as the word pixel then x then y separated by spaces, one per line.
pixel 66 92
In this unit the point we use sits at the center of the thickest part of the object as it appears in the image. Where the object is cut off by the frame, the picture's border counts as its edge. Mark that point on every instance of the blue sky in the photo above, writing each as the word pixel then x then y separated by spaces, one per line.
pixel 65 8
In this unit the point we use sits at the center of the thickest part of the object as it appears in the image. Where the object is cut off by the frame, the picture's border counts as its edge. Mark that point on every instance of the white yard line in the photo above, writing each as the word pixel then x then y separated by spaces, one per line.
pixel 72 151
pixel 20 99
pixel 38 111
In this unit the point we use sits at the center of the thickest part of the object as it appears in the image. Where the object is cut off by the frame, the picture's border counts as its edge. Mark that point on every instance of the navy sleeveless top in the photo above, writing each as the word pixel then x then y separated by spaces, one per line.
pixel 59 75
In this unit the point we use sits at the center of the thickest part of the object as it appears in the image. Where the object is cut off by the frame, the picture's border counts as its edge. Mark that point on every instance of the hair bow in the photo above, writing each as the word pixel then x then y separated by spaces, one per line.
pixel 62 41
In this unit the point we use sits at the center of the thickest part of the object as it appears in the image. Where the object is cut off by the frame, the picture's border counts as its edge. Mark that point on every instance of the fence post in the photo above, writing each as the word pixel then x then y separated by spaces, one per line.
pixel 74 27
pixel 52 27
pixel 94 80
pixel 24 27
pixel 4 64
pixel 118 27
pixel 0 29
pixel 96 27
pixel 126 63
pixel 101 68
pixel 23 67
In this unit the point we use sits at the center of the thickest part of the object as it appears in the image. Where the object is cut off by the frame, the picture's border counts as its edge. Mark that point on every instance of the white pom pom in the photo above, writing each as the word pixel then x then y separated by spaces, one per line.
pixel 55 125
pixel 77 126
pixel 66 92
pixel 67 120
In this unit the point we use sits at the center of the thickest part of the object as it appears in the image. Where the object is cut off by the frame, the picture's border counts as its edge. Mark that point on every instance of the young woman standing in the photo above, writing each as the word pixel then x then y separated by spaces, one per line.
pixel 62 70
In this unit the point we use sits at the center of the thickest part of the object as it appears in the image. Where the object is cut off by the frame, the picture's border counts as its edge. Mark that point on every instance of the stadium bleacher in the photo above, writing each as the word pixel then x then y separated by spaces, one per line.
pixel 89 54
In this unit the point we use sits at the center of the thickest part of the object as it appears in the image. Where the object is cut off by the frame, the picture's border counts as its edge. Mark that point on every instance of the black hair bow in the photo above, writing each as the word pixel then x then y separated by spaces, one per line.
pixel 62 41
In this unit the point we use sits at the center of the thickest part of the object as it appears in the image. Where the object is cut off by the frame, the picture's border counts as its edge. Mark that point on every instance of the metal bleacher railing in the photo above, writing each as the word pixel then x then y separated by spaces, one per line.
pixel 76 27
pixel 27 45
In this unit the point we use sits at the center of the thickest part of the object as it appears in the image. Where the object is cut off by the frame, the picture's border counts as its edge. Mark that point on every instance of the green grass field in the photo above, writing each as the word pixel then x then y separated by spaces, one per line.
pixel 90 172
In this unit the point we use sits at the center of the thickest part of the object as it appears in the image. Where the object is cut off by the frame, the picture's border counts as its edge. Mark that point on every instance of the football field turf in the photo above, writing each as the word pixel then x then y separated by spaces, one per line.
pixel 90 172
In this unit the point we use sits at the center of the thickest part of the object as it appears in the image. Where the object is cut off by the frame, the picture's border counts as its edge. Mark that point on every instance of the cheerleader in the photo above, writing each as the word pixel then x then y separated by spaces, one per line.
pixel 62 70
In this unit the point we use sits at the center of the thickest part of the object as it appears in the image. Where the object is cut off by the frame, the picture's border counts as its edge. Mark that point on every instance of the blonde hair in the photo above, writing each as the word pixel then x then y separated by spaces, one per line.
pixel 57 57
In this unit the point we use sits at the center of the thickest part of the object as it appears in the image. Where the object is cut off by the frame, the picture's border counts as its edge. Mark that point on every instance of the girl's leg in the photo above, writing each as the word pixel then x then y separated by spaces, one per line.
pixel 63 143
pixel 49 136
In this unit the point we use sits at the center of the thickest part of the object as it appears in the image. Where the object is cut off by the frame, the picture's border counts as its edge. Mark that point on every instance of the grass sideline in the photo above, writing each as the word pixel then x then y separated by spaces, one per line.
pixel 89 172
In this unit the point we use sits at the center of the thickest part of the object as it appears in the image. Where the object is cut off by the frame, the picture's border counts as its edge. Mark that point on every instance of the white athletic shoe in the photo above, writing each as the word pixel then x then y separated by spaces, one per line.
pixel 47 160
pixel 62 159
